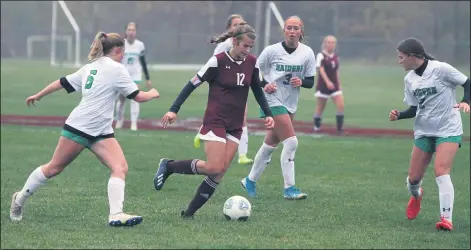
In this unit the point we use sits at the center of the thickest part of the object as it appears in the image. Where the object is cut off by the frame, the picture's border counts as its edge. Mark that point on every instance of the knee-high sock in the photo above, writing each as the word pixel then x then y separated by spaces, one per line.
pixel 446 193
pixel 134 111
pixel 35 180
pixel 261 161
pixel 244 142
pixel 287 160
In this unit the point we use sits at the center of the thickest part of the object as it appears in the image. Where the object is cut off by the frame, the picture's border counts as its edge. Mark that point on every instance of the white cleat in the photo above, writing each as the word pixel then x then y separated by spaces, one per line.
pixel 122 219
pixel 16 211
pixel 119 124
pixel 134 126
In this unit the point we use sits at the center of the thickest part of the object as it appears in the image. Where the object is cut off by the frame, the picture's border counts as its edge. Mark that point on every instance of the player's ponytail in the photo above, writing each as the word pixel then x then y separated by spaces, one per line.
pixel 103 44
pixel 241 29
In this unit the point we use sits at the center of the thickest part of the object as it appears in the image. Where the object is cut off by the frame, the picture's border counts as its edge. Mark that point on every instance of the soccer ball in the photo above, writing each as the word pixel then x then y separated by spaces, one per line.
pixel 237 208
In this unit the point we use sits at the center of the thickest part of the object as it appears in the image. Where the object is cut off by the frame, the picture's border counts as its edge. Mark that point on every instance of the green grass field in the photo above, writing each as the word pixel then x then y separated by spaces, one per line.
pixel 356 199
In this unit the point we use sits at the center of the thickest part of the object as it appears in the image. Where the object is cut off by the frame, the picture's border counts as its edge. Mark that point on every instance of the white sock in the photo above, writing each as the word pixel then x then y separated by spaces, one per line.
pixel 134 111
pixel 244 142
pixel 414 189
pixel 35 180
pixel 261 161
pixel 446 193
pixel 287 160
pixel 120 110
pixel 116 195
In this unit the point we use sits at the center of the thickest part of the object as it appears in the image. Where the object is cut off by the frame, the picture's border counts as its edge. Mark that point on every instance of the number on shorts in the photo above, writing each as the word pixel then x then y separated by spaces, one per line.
pixel 90 79
pixel 240 79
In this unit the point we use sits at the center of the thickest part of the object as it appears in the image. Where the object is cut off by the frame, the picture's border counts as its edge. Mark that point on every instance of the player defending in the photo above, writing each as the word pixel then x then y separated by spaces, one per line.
pixel 328 83
pixel 135 61
pixel 90 125
pixel 429 90
pixel 230 74
pixel 286 67
pixel 231 23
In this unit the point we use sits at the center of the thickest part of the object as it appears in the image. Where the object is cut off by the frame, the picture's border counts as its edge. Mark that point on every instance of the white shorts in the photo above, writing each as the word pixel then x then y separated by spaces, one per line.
pixel 209 135
pixel 327 96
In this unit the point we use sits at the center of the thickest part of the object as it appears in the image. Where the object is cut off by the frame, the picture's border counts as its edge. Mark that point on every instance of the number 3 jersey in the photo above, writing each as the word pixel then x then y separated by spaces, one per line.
pixel 100 82
pixel 132 52
pixel 277 65
pixel 433 92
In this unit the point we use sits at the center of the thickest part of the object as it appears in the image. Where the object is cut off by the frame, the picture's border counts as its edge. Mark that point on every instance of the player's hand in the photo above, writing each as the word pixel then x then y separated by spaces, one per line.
pixel 295 82
pixel 30 100
pixel 154 93
pixel 270 88
pixel 330 85
pixel 393 115
pixel 269 123
pixel 149 84
pixel 462 106
pixel 168 118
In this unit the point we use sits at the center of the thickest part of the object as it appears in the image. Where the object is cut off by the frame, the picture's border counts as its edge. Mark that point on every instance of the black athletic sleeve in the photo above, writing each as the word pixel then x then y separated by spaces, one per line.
pixel 66 85
pixel 133 94
pixel 308 82
pixel 181 98
pixel 258 93
pixel 466 96
pixel 142 59
pixel 408 113
pixel 263 83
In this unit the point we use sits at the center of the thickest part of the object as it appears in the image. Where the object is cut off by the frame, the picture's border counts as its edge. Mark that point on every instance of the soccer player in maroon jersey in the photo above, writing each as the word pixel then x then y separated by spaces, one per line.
pixel 328 85
pixel 230 74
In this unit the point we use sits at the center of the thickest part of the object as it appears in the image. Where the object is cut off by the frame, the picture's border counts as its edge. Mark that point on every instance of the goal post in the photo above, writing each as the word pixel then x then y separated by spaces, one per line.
pixel 54 36
pixel 271 8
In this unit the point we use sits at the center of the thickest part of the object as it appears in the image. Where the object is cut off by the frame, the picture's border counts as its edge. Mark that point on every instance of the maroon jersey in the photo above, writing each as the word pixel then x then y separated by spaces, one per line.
pixel 229 82
pixel 331 66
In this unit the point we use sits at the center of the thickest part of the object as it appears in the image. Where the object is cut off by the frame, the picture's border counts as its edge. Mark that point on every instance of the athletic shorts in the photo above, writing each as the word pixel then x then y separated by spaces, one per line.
pixel 86 141
pixel 429 144
pixel 327 95
pixel 275 110
pixel 212 133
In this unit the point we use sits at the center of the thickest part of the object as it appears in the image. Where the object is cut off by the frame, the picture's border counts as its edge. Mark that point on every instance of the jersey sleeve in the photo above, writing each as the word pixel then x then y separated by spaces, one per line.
pixel 124 83
pixel 319 59
pixel 310 65
pixel 208 73
pixel 409 98
pixel 451 76
pixel 73 82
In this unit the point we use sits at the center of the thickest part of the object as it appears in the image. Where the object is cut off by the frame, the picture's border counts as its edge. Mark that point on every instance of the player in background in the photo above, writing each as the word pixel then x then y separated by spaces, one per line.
pixel 230 74
pixel 286 67
pixel 135 61
pixel 328 83
pixel 429 90
pixel 90 125
pixel 231 23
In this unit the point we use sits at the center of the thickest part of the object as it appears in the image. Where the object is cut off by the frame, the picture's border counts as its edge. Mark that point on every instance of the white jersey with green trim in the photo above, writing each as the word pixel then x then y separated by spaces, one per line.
pixel 434 94
pixel 224 46
pixel 132 52
pixel 100 82
pixel 278 66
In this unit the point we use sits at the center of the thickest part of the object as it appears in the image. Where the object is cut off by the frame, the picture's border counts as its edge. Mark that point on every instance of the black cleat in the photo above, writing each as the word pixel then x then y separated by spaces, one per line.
pixel 161 176
pixel 185 216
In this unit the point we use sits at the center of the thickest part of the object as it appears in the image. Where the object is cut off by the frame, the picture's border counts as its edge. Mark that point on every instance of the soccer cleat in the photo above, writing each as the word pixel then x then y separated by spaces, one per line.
pixel 186 216
pixel 316 129
pixel 134 126
pixel 243 159
pixel 197 142
pixel 413 207
pixel 250 186
pixel 444 225
pixel 119 124
pixel 161 175
pixel 122 219
pixel 293 193
pixel 16 211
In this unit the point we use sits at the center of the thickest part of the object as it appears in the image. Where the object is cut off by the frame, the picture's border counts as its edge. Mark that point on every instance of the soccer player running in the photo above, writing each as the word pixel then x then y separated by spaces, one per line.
pixel 135 61
pixel 429 90
pixel 230 74
pixel 328 84
pixel 226 45
pixel 90 125
pixel 286 67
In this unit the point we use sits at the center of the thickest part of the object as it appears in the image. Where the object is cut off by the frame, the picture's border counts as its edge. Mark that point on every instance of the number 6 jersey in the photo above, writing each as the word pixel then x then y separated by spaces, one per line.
pixel 278 66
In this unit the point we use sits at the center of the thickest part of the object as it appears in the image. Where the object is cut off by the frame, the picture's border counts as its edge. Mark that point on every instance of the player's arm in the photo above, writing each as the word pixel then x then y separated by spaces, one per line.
pixel 258 93
pixel 408 113
pixel 142 59
pixel 467 94
pixel 206 74
pixel 126 87
pixel 309 71
pixel 410 100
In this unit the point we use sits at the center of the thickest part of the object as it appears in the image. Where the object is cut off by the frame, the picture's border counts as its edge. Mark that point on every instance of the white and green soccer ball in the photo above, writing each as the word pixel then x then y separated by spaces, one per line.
pixel 237 208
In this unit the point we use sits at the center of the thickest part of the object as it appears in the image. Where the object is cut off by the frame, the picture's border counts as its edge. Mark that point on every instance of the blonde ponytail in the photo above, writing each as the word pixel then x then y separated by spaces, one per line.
pixel 96 49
